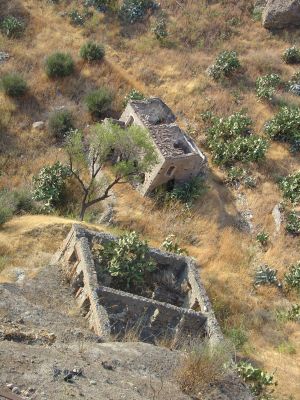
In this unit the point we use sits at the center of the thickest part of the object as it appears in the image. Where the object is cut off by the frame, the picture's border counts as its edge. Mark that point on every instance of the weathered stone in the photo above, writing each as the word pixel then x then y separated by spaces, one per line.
pixel 280 14
pixel 39 125
pixel 3 57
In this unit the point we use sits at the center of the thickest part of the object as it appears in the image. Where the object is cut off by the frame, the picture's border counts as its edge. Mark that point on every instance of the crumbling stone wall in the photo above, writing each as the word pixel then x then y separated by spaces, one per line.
pixel 114 311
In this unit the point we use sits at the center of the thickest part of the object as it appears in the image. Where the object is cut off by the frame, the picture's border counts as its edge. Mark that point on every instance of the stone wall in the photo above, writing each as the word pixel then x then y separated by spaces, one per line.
pixel 110 311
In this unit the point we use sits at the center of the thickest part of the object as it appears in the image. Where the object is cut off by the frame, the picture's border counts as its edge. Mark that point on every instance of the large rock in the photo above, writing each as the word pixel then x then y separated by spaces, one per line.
pixel 280 14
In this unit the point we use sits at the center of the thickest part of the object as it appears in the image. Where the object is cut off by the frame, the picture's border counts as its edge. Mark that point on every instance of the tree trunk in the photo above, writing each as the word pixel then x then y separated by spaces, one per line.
pixel 84 207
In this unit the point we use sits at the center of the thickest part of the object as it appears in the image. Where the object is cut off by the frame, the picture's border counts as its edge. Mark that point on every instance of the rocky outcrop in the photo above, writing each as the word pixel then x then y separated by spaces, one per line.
pixel 280 14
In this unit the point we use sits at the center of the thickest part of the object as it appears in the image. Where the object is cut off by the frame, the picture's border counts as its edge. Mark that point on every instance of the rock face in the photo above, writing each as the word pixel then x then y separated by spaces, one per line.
pixel 280 14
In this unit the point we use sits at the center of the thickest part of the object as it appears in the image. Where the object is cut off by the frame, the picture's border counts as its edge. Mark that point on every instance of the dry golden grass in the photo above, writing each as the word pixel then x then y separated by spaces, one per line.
pixel 228 258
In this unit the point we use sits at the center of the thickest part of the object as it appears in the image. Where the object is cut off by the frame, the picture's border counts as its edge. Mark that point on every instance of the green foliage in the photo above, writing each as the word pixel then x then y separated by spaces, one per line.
pixel 265 276
pixel 226 64
pixel 292 314
pixel 59 65
pixel 49 185
pixel 230 140
pixel 14 85
pixel 285 126
pixel 92 51
pixel 12 27
pixel 160 28
pixel 290 187
pixel 127 260
pixel 188 192
pixel 14 202
pixel 291 55
pixel 132 11
pixel 259 381
pixel 292 277
pixel 78 18
pixel 293 223
pixel 238 336
pixel 133 95
pixel 266 86
pixel 171 246
pixel 102 5
pixel 61 123
pixel 99 101
pixel 295 78
pixel 239 176
pixel 263 238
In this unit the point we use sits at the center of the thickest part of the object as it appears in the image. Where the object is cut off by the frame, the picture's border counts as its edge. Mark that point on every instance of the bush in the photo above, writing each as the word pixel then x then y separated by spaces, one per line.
pixel 49 185
pixel 99 101
pixel 61 123
pixel 14 85
pixel 290 186
pixel 292 314
pixel 171 246
pixel 263 238
pixel 127 260
pixel 265 276
pixel 14 202
pixel 238 336
pixel 292 277
pixel 133 11
pixel 102 5
pixel 160 28
pixel 285 126
pixel 230 140
pixel 133 95
pixel 12 27
pixel 59 65
pixel 78 18
pixel 291 55
pixel 226 64
pixel 266 86
pixel 202 365
pixel 258 380
pixel 188 192
pixel 293 223
pixel 92 51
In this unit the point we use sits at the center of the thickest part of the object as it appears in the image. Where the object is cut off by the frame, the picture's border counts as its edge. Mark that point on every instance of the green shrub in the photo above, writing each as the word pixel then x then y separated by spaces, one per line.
pixel 266 86
pixel 292 277
pixel 293 223
pixel 92 51
pixel 285 126
pixel 292 314
pixel 99 101
pixel 263 238
pixel 265 276
pixel 160 28
pixel 260 382
pixel 295 78
pixel 127 260
pixel 12 27
pixel 226 64
pixel 133 11
pixel 188 192
pixel 14 85
pixel 78 18
pixel 230 140
pixel 291 55
pixel 102 5
pixel 49 185
pixel 133 95
pixel 14 202
pixel 238 336
pixel 61 123
pixel 59 65
pixel 290 187
pixel 171 246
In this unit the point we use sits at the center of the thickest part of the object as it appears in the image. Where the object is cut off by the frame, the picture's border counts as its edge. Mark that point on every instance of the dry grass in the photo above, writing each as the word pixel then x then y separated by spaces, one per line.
pixel 202 366
pixel 227 257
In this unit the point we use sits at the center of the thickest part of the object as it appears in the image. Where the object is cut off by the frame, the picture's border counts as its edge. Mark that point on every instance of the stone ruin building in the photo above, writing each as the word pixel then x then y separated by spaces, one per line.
pixel 176 307
pixel 179 157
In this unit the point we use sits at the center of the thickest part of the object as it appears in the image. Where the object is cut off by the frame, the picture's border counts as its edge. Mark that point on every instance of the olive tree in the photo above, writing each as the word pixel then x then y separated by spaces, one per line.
pixel 128 152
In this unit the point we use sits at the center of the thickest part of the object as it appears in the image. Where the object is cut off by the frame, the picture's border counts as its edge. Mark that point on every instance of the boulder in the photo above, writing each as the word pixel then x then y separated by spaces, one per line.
pixel 280 14
pixel 39 125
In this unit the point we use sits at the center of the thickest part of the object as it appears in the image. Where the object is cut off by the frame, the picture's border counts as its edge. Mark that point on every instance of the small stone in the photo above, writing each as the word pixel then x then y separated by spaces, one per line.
pixel 10 386
pixel 16 390
pixel 39 125
pixel 93 382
